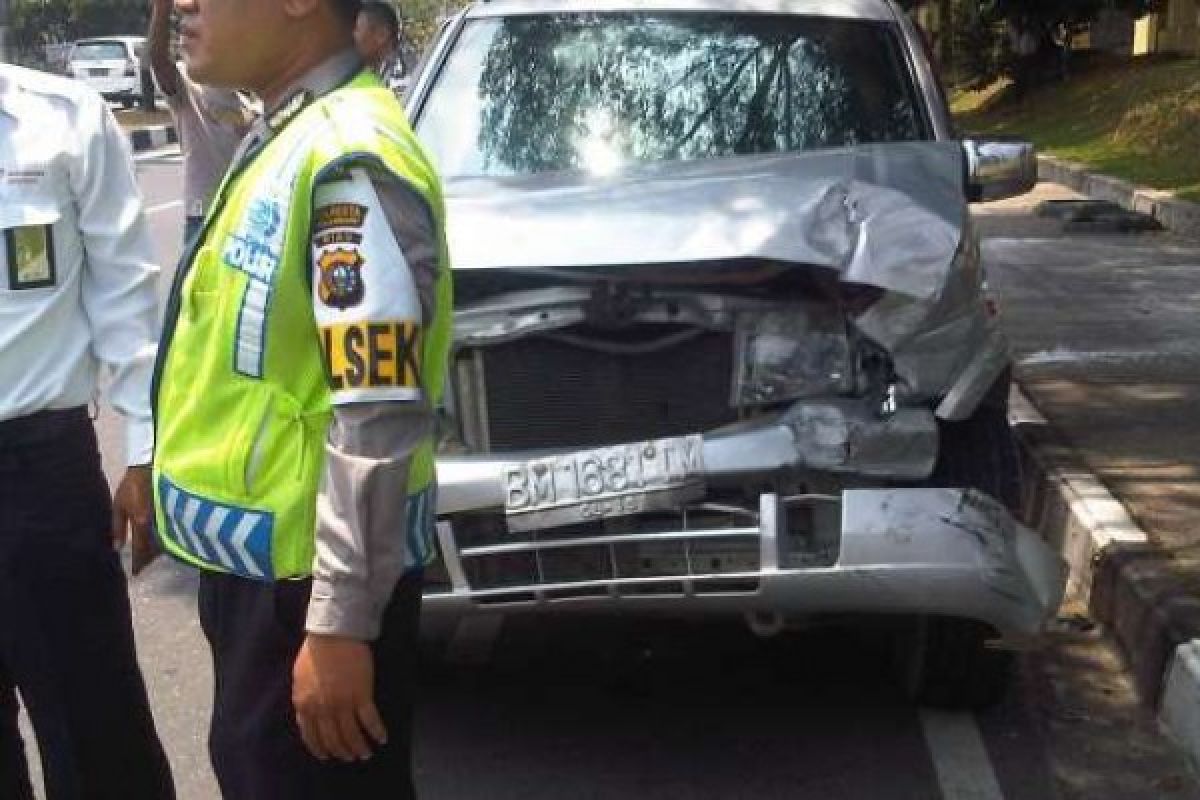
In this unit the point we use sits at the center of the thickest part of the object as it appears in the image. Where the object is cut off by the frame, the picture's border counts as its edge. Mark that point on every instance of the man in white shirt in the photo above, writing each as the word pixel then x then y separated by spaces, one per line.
pixel 211 121
pixel 77 297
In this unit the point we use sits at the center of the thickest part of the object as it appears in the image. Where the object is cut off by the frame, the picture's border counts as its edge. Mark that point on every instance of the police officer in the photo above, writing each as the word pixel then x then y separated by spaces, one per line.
pixel 77 294
pixel 304 350
pixel 377 37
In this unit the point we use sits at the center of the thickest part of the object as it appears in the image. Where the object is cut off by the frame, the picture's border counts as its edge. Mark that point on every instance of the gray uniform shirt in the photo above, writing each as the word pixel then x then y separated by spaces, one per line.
pixel 211 122
pixel 361 505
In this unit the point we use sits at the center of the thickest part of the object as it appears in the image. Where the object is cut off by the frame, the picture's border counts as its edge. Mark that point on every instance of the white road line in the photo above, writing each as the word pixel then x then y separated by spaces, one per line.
pixel 959 756
pixel 164 206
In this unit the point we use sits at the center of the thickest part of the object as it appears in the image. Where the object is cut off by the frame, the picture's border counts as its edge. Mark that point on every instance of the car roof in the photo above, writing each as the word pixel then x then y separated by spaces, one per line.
pixel 852 9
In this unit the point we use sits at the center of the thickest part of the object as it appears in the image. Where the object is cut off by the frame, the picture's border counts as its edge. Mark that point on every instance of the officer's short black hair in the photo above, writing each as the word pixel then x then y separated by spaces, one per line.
pixel 381 13
pixel 347 10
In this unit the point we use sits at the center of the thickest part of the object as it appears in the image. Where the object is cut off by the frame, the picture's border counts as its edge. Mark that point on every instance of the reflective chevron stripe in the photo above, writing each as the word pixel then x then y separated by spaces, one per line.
pixel 239 538
pixel 220 536
pixel 176 511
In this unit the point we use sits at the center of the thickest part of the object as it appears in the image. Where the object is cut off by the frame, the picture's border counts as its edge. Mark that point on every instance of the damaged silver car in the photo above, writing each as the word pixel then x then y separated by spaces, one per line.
pixel 723 340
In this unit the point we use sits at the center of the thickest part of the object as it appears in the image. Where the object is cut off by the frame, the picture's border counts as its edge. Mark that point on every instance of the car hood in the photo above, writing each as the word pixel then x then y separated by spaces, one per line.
pixel 890 216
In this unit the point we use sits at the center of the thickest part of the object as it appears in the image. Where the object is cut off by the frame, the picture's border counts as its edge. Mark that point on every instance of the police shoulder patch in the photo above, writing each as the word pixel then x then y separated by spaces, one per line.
pixel 341 285
pixel 365 300
pixel 380 359
pixel 337 243
pixel 339 215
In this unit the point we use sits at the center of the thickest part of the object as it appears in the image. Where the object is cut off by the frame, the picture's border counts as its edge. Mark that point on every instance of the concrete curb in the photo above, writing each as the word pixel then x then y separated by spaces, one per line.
pixel 1176 215
pixel 1121 577
pixel 152 137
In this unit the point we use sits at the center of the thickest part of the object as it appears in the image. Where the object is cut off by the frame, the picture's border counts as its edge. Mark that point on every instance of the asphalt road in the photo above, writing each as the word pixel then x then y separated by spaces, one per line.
pixel 611 709
pixel 1108 344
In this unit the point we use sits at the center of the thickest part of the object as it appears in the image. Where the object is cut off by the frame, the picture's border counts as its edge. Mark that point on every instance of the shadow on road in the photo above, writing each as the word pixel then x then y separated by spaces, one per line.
pixel 601 709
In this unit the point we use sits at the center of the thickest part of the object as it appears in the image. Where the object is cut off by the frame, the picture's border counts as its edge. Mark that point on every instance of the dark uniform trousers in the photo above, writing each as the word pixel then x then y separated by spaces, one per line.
pixel 255 630
pixel 66 635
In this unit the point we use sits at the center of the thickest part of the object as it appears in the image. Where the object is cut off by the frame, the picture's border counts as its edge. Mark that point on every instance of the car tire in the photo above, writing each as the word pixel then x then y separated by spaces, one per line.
pixel 980 452
pixel 947 662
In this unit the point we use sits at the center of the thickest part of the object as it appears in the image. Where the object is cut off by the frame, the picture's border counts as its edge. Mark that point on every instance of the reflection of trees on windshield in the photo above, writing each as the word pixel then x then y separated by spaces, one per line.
pixel 567 91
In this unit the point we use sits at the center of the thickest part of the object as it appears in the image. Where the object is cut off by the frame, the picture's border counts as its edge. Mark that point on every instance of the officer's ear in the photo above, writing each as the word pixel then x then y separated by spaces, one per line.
pixel 298 9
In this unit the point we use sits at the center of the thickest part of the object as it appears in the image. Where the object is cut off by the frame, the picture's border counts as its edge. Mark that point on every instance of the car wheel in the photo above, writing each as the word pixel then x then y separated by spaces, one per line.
pixel 126 103
pixel 944 661
pixel 980 452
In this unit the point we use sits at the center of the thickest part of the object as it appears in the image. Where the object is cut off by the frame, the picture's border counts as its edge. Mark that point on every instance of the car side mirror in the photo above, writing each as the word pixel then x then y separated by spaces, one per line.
pixel 999 168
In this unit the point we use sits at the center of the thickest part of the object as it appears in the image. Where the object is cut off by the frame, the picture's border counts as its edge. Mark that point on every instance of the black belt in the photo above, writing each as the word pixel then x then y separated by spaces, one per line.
pixel 43 426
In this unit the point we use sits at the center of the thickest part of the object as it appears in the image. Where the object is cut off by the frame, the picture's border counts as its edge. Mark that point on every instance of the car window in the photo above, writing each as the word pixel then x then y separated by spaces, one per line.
pixel 99 51
pixel 528 94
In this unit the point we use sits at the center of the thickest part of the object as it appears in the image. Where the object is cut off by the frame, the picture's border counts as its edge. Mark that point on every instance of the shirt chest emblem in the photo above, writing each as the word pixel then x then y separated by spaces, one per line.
pixel 255 246
pixel 26 178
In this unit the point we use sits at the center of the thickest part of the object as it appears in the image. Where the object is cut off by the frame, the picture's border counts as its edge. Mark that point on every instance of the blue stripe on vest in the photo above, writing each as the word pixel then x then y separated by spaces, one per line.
pixel 221 536
pixel 420 521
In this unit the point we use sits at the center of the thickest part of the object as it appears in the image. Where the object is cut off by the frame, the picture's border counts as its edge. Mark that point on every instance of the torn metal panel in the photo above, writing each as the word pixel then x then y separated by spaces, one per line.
pixel 935 341
pixel 902 551
pixel 840 436
pixel 889 216
pixel 977 378
pixel 937 526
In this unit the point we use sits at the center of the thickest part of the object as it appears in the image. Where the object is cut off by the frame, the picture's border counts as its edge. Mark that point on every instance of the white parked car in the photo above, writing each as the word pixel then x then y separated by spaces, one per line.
pixel 111 65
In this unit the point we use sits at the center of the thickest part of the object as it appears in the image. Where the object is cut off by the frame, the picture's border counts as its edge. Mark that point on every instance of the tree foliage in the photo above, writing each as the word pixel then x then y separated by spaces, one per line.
pixel 420 19
pixel 1018 38
pixel 37 23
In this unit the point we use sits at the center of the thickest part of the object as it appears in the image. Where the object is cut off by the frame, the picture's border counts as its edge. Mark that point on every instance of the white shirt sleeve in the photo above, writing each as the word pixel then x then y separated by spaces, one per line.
pixel 119 284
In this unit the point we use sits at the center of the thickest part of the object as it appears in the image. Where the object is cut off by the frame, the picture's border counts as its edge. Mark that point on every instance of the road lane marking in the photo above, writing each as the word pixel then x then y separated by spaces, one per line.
pixel 164 206
pixel 960 758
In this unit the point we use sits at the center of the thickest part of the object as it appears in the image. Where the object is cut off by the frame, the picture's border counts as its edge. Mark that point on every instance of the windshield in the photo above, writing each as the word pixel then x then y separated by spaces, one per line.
pixel 99 51
pixel 529 94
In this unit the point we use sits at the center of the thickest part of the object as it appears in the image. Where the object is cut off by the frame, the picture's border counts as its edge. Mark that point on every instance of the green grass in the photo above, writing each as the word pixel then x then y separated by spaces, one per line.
pixel 1138 120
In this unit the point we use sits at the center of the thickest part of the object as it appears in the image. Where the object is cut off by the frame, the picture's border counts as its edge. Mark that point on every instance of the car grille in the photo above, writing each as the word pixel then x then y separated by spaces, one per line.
pixel 703 553
pixel 543 392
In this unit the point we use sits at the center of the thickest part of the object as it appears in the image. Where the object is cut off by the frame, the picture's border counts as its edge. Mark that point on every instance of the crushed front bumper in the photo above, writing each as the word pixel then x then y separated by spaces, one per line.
pixel 898 551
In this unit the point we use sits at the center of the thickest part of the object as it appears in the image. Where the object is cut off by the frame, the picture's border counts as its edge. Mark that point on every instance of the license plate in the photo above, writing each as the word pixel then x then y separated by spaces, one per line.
pixel 98 72
pixel 605 482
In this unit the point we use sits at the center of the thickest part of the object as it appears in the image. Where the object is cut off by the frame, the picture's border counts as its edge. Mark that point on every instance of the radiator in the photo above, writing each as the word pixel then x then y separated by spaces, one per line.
pixel 547 393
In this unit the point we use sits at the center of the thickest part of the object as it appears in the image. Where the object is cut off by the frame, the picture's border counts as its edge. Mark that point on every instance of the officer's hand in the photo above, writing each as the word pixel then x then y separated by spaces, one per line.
pixel 333 692
pixel 133 513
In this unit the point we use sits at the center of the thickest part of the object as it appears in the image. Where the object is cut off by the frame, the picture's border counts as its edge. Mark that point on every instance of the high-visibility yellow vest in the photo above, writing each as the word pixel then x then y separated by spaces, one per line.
pixel 242 395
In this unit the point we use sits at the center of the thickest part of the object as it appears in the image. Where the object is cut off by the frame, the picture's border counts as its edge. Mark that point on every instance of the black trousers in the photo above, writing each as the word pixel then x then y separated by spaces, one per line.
pixel 66 635
pixel 255 630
